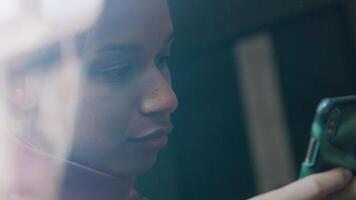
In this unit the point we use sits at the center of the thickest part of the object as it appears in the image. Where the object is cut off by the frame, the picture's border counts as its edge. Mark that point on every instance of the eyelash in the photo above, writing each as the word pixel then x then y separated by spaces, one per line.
pixel 114 72
pixel 117 72
pixel 162 61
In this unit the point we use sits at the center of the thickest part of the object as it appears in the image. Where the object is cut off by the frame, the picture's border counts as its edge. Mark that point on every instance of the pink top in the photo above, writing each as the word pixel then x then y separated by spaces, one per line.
pixel 26 173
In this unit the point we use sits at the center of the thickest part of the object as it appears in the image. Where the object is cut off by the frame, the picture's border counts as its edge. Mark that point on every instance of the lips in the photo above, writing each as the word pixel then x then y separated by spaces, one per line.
pixel 157 137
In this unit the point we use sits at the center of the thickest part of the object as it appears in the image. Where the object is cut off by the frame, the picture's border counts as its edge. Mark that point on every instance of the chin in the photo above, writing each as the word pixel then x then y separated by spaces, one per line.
pixel 133 167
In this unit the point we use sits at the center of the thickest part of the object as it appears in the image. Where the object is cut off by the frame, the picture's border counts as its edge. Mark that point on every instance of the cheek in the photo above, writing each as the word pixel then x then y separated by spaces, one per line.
pixel 102 117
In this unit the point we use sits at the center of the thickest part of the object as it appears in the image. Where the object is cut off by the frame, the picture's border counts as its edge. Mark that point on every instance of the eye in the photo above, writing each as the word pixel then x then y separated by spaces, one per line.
pixel 116 71
pixel 162 61
pixel 113 72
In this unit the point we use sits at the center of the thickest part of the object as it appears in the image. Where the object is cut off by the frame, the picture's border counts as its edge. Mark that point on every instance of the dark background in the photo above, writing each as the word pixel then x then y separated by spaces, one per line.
pixel 208 156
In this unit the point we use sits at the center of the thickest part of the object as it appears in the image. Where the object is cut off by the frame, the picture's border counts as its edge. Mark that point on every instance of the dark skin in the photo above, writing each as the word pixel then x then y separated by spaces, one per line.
pixel 126 99
pixel 126 93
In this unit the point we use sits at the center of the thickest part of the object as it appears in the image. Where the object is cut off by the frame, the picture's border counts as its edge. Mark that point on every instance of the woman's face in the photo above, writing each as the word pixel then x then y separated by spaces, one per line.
pixel 123 116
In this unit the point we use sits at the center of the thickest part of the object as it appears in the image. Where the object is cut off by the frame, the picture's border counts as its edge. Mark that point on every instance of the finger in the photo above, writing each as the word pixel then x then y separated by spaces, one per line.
pixel 321 185
pixel 314 187
pixel 348 193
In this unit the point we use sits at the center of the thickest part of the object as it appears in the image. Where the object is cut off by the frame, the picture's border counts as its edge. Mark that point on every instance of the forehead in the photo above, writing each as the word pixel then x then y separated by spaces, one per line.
pixel 138 22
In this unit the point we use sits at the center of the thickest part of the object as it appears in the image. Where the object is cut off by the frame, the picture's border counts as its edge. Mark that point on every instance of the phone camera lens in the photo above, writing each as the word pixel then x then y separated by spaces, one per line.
pixel 332 123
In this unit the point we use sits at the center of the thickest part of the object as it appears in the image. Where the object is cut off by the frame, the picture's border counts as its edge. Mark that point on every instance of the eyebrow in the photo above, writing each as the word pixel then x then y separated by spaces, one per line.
pixel 169 38
pixel 129 47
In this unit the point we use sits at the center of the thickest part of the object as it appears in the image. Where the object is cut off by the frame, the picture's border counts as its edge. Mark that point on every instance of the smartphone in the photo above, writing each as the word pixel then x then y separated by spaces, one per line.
pixel 332 137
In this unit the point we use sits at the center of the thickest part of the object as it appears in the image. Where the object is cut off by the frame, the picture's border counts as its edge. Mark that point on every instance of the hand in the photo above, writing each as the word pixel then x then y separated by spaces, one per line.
pixel 334 184
pixel 348 193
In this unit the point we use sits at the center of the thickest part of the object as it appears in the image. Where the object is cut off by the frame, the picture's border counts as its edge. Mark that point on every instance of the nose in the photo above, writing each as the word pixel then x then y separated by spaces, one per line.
pixel 159 97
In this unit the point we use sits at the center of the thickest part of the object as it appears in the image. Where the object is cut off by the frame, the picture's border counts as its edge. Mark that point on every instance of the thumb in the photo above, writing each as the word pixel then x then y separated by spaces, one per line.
pixel 314 187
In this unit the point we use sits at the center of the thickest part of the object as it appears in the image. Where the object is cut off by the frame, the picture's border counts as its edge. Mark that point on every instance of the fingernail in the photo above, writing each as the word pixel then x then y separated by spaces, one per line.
pixel 347 173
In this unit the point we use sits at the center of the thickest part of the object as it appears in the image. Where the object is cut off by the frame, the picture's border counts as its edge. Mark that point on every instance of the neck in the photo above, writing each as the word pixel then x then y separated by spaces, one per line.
pixel 77 182
pixel 83 183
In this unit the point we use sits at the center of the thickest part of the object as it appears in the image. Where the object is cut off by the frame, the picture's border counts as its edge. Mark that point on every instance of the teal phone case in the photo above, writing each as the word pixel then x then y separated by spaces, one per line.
pixel 327 151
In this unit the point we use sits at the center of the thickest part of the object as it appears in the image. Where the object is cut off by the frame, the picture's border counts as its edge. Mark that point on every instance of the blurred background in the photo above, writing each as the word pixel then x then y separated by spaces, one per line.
pixel 249 74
